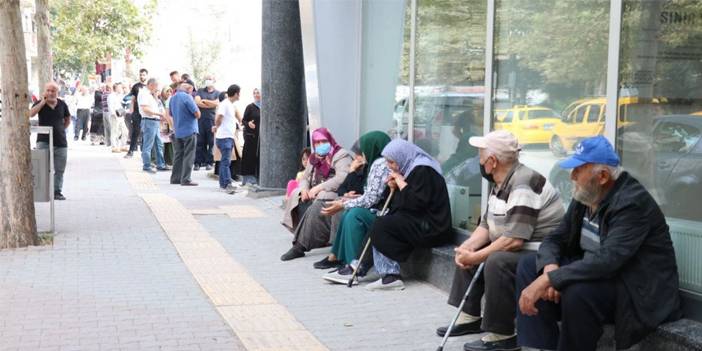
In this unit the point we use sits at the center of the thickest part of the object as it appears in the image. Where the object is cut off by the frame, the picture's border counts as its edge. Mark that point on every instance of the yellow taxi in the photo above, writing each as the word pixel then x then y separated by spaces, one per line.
pixel 530 124
pixel 585 118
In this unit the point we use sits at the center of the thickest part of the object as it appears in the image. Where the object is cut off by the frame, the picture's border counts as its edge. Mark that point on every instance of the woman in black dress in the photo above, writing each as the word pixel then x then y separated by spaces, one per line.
pixel 251 121
pixel 419 216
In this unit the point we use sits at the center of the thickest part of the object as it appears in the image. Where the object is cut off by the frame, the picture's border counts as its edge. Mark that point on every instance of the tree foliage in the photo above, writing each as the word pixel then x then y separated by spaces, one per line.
pixel 84 31
pixel 202 55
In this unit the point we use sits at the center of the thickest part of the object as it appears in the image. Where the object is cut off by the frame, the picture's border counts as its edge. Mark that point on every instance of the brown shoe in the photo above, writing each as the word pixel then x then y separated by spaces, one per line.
pixel 188 183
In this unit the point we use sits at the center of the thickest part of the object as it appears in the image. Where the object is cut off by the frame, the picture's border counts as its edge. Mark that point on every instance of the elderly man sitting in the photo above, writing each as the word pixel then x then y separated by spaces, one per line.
pixel 611 260
pixel 522 207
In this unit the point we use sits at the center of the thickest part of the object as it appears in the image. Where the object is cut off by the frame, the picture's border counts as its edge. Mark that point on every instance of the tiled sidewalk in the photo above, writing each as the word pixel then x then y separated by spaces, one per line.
pixel 111 281
pixel 123 275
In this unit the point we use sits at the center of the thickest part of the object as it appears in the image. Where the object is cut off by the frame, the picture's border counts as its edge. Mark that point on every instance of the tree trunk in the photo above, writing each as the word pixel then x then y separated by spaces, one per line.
pixel 44 58
pixel 17 223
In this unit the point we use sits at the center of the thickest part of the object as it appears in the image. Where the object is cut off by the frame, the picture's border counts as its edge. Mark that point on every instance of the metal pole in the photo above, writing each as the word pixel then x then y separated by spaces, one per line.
pixel 489 90
pixel 615 24
pixel 51 179
pixel 412 70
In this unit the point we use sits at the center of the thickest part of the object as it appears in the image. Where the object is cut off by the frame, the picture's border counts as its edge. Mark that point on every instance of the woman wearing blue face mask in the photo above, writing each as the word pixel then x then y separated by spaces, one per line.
pixel 327 168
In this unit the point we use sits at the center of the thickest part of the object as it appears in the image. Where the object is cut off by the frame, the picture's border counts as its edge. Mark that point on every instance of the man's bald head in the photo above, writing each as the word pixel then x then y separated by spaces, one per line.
pixel 51 90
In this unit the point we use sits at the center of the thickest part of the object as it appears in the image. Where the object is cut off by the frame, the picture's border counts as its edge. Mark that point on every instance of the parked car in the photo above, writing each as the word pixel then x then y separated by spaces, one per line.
pixel 530 124
pixel 584 118
pixel 666 158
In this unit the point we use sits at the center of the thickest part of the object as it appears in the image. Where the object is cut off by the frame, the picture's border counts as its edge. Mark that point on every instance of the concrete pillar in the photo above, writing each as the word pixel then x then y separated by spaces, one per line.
pixel 283 112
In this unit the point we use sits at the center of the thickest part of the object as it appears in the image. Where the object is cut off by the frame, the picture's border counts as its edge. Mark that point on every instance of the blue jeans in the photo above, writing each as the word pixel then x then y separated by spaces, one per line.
pixel 225 146
pixel 150 130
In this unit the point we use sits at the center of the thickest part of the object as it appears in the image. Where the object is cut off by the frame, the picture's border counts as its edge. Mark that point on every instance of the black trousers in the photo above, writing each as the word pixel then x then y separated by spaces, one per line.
pixel 585 307
pixel 82 120
pixel 134 133
pixel 497 285
pixel 183 159
pixel 205 142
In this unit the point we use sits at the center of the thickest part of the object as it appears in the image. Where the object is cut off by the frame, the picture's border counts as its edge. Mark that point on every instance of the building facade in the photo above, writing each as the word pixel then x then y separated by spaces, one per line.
pixel 553 72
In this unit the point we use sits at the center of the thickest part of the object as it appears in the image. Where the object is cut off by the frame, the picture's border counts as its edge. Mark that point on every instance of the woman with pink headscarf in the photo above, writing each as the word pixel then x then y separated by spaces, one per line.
pixel 326 170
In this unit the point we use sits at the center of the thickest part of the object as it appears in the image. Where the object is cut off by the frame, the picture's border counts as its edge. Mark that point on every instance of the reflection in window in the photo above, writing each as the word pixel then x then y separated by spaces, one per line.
pixel 449 93
pixel 661 72
pixel 551 67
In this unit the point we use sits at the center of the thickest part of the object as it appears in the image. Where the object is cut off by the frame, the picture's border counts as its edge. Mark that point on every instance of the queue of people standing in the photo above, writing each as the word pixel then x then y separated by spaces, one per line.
pixel 545 276
pixel 173 127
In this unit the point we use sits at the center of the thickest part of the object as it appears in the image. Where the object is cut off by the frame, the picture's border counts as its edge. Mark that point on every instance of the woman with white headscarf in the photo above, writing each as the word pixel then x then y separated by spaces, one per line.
pixel 419 216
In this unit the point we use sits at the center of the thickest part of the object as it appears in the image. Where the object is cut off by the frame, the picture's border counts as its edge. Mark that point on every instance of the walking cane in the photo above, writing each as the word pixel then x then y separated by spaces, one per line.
pixel 460 307
pixel 365 248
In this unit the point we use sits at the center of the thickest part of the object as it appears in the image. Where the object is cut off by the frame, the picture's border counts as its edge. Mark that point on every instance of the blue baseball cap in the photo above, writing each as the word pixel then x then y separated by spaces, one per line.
pixel 592 150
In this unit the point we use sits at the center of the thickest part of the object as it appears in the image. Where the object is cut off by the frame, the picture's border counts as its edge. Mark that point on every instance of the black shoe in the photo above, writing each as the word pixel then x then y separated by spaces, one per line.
pixel 59 196
pixel 208 167
pixel 164 168
pixel 196 168
pixel 128 155
pixel 175 183
pixel 326 264
pixel 75 138
pixel 293 253
pixel 509 344
pixel 461 329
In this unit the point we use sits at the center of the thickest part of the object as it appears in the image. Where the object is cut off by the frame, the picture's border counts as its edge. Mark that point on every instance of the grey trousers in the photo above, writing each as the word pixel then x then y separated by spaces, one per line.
pixel 107 128
pixel 497 283
pixel 183 159
pixel 60 160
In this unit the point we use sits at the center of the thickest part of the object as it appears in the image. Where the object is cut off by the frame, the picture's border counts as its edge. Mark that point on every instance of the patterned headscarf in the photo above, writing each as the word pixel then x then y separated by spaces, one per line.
pixel 322 164
pixel 408 156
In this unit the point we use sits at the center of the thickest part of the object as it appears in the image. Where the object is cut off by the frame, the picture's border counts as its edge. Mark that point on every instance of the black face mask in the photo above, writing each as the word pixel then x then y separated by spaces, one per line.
pixel 485 174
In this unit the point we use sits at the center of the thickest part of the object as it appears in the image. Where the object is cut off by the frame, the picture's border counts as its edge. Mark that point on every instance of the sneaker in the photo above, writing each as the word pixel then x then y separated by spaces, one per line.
pixel 196 168
pixel 370 276
pixel 75 138
pixel 115 151
pixel 59 196
pixel 340 276
pixel 164 168
pixel 128 155
pixel 389 282
pixel 325 263
pixel 208 167
pixel 227 190
pixel 149 170
pixel 188 183
pixel 509 344
pixel 125 149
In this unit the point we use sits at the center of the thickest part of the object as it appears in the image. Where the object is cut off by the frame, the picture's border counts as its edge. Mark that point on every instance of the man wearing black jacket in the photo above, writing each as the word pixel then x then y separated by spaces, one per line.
pixel 611 260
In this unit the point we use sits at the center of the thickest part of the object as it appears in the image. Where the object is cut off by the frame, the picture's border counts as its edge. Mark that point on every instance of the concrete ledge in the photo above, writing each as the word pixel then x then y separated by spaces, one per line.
pixel 436 266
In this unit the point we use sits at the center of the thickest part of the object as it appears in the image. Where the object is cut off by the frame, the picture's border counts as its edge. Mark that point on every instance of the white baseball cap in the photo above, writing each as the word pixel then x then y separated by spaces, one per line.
pixel 499 142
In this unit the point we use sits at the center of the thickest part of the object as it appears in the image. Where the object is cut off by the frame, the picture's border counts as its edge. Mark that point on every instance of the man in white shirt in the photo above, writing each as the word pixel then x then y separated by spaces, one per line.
pixel 151 110
pixel 225 129
pixel 118 132
pixel 84 102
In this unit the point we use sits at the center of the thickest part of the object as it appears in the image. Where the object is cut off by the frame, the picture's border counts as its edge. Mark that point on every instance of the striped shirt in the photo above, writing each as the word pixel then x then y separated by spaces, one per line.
pixel 526 206
pixel 590 235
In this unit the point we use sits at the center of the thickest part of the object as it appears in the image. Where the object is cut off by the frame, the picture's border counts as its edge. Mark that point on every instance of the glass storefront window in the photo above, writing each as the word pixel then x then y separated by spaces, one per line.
pixel 550 77
pixel 449 93
pixel 658 134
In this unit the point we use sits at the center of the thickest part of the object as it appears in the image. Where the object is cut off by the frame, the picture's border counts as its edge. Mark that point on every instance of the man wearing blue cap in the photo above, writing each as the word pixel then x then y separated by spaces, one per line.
pixel 611 260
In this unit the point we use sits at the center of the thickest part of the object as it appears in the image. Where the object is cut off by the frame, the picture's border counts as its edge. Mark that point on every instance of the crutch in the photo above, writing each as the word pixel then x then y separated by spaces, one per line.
pixel 460 307
pixel 365 248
